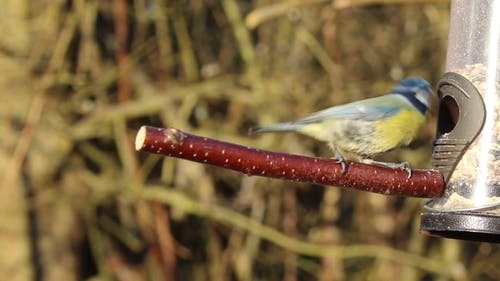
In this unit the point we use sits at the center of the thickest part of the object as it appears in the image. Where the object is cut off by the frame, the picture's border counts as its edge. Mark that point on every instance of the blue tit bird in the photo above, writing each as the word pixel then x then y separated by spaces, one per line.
pixel 365 128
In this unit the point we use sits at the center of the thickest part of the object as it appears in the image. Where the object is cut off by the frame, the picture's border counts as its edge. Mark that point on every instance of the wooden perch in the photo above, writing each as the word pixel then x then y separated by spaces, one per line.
pixel 256 162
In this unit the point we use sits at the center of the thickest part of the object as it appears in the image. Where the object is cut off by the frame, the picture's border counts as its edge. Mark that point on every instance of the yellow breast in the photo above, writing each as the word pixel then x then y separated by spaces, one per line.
pixel 399 129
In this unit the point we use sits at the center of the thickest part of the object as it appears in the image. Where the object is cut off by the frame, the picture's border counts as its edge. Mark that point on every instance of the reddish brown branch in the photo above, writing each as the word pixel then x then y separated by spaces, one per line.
pixel 122 32
pixel 251 161
pixel 166 241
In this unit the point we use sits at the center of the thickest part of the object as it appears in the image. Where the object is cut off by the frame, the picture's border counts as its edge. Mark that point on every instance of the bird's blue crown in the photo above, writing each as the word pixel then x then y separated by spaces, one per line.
pixel 417 91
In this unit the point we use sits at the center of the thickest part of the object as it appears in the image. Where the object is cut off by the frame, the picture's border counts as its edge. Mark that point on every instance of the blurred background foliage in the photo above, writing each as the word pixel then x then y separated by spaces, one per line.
pixel 78 78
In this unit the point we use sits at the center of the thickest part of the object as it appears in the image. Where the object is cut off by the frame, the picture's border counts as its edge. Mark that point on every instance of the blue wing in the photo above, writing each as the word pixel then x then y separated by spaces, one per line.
pixel 369 109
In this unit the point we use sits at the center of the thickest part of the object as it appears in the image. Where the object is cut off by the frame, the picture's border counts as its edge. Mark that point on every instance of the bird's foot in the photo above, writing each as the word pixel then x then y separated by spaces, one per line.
pixel 340 159
pixel 404 165
pixel 343 162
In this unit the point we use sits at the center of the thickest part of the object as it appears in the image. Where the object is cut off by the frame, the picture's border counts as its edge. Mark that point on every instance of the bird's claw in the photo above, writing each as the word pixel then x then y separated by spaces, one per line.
pixel 340 159
pixel 406 166
pixel 343 163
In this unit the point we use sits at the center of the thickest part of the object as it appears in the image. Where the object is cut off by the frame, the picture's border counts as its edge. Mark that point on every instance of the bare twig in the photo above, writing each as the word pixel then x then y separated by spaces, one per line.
pixel 271 11
pixel 290 229
pixel 251 161
pixel 121 29
pixel 186 48
pixel 166 241
pixel 246 46
pixel 342 4
pixel 16 161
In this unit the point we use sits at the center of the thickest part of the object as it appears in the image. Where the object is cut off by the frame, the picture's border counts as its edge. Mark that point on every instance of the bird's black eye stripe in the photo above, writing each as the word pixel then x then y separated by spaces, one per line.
pixel 411 96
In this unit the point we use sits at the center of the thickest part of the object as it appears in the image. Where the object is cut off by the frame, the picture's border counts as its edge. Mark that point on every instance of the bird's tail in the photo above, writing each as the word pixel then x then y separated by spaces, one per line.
pixel 280 127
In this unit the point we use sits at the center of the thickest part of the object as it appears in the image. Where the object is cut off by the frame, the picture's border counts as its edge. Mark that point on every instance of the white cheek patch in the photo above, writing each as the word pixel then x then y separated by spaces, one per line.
pixel 423 98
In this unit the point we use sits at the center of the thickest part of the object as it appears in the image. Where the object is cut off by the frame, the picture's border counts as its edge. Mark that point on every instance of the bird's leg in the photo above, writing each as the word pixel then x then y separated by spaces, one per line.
pixel 340 159
pixel 404 165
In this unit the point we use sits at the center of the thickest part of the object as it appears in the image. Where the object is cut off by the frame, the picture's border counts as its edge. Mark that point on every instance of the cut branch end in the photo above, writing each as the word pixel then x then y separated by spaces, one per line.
pixel 140 138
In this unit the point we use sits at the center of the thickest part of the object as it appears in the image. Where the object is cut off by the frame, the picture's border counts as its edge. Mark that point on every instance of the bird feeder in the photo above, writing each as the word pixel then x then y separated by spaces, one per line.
pixel 467 145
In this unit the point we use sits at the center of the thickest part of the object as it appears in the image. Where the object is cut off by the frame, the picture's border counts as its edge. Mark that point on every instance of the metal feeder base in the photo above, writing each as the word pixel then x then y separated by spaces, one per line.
pixel 462 225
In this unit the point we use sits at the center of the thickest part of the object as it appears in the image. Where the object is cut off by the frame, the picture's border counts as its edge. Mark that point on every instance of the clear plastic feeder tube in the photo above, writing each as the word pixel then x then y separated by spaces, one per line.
pixel 474 53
